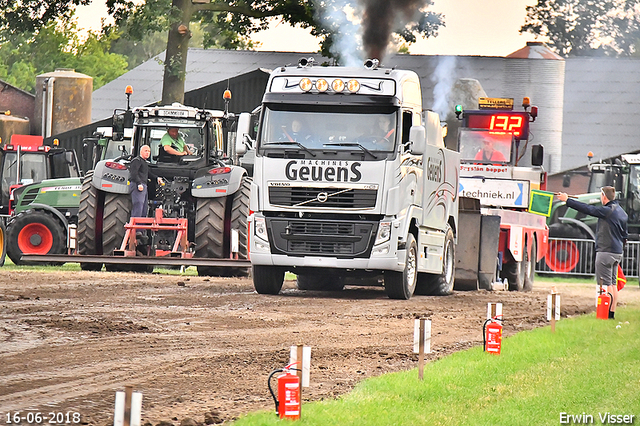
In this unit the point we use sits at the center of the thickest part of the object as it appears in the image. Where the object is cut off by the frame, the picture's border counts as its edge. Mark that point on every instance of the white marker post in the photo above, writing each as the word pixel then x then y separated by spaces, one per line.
pixel 302 353
pixel 553 310
pixel 128 408
pixel 421 342
pixel 494 311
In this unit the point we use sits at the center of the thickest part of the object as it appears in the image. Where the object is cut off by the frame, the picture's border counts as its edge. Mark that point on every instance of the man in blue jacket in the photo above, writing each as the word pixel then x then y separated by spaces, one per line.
pixel 611 234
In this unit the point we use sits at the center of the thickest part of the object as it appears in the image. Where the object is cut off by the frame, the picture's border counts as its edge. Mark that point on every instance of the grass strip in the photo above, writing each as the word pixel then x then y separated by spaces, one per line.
pixel 588 366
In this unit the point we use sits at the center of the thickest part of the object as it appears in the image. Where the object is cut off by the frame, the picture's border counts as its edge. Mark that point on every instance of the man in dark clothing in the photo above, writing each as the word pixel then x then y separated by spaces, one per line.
pixel 139 175
pixel 611 234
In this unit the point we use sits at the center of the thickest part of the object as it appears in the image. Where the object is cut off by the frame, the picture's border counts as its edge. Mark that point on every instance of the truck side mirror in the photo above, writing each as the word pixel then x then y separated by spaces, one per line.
pixel 242 133
pixel 537 155
pixel 418 138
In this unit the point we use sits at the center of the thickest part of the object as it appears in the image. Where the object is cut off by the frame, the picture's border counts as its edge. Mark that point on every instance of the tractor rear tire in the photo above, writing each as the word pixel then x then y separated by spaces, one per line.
pixel 440 284
pixel 117 209
pixel 90 222
pixel 268 279
pixel 210 226
pixel 239 214
pixel 35 232
pixel 3 245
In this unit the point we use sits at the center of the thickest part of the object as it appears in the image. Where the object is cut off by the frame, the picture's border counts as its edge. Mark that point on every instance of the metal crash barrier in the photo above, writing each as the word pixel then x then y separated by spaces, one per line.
pixel 568 256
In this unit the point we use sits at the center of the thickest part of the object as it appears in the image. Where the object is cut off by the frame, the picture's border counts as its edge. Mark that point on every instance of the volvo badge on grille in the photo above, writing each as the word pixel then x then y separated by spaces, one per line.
pixel 322 197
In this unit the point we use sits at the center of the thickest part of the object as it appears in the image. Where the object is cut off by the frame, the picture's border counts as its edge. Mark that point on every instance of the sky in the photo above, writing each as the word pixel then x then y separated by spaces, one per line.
pixel 473 27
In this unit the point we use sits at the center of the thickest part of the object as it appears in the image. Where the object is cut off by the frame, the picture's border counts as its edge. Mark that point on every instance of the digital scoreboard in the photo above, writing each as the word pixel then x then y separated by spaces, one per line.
pixel 516 122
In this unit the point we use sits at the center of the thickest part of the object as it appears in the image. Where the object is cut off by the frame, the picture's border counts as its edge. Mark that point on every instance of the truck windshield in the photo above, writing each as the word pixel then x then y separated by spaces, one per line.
pixel 193 137
pixel 478 146
pixel 335 129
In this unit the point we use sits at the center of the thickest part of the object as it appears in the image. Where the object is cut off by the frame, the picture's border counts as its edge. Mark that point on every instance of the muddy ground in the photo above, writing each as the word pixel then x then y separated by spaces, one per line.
pixel 202 348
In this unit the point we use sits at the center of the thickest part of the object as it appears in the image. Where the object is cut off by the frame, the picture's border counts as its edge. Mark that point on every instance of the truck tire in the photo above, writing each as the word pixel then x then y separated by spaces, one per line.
pixel 117 209
pixel 3 245
pixel 515 272
pixel 440 284
pixel 210 225
pixel 320 282
pixel 90 222
pixel 530 267
pixel 267 279
pixel 35 232
pixel 402 285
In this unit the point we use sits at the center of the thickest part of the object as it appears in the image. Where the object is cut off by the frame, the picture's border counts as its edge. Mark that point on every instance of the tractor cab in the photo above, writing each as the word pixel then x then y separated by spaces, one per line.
pixel 26 160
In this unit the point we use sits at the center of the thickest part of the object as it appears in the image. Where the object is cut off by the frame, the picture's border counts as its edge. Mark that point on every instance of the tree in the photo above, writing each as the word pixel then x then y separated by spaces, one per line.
pixel 23 56
pixel 228 24
pixel 586 28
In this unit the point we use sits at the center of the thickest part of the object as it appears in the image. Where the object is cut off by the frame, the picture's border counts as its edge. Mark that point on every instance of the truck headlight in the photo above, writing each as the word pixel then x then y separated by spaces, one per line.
pixel 384 233
pixel 261 228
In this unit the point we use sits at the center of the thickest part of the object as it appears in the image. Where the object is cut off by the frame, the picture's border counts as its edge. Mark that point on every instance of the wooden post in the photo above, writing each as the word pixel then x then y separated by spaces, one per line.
pixel 128 390
pixel 421 352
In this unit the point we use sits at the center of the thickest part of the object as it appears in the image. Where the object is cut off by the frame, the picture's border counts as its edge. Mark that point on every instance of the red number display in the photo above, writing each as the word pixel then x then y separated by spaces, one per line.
pixel 515 122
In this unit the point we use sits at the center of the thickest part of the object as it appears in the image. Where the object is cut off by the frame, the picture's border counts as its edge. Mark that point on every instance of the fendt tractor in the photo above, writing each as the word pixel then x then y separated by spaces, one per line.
pixel 352 183
pixel 492 142
pixel 197 216
pixel 44 211
pixel 572 249
pixel 25 161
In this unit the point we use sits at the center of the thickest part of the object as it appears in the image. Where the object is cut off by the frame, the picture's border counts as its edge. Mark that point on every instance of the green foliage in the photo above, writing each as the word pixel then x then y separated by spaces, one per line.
pixel 586 366
pixel 586 28
pixel 57 45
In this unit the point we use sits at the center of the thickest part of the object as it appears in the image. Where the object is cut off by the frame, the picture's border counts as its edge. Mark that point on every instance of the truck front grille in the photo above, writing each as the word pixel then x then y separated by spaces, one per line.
pixel 352 198
pixel 318 237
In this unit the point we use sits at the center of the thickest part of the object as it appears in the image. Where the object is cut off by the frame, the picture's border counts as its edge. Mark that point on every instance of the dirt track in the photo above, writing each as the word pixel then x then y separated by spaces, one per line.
pixel 202 348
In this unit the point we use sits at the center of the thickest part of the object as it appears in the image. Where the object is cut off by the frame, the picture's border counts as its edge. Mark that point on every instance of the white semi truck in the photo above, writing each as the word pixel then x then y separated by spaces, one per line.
pixel 352 183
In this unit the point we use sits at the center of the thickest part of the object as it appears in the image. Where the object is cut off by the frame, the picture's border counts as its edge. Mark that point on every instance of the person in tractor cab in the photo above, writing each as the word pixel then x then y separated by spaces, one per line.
pixel 139 176
pixel 173 143
pixel 489 153
pixel 611 235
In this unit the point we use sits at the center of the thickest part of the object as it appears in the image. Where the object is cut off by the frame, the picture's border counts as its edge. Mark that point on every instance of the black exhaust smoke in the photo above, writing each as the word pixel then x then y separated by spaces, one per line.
pixel 381 18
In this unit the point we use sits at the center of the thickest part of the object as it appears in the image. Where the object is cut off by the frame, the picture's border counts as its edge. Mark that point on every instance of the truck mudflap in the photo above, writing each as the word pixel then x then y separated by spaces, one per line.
pixel 519 225
pixel 137 260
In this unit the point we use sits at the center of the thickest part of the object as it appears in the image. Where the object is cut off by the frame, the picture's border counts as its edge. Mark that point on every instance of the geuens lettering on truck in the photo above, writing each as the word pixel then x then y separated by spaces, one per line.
pixel 434 169
pixel 297 170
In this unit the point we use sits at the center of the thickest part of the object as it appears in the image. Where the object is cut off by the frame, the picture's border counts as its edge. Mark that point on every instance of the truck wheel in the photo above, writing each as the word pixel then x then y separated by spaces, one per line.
pixel 515 273
pixel 402 285
pixel 440 284
pixel 90 222
pixel 210 216
pixel 562 256
pixel 320 283
pixel 3 245
pixel 530 268
pixel 267 279
pixel 34 232
pixel 117 209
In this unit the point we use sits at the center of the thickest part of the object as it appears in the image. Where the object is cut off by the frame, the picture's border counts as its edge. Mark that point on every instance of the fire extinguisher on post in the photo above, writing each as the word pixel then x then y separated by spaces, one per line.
pixel 604 304
pixel 288 399
pixel 492 335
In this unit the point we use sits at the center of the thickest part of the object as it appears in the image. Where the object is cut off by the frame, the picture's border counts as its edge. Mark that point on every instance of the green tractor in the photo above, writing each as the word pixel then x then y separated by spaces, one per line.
pixel 569 228
pixel 46 212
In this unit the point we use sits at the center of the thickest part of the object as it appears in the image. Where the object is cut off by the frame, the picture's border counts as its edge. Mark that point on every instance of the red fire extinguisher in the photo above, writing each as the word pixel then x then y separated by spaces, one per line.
pixel 288 399
pixel 492 335
pixel 604 304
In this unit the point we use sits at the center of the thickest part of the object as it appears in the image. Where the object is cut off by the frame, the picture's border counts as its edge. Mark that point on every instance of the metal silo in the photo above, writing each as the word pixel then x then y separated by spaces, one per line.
pixel 537 72
pixel 12 125
pixel 63 101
